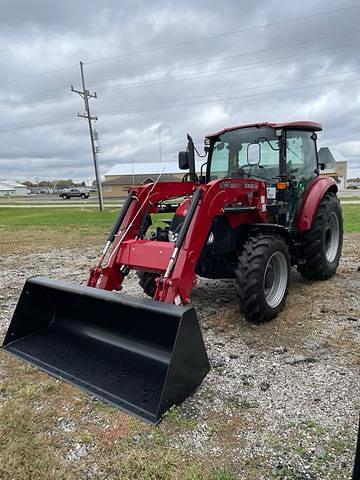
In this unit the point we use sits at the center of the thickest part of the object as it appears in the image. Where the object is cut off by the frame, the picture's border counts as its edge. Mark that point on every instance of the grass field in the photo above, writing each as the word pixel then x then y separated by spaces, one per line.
pixel 351 218
pixel 46 423
pixel 30 229
pixel 89 222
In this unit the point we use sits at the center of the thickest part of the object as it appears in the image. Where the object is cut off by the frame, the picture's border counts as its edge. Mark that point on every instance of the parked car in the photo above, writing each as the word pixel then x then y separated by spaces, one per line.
pixel 67 193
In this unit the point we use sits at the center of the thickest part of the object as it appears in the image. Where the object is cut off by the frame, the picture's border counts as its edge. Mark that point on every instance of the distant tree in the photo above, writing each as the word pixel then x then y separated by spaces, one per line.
pixel 63 183
pixel 54 184
pixel 46 184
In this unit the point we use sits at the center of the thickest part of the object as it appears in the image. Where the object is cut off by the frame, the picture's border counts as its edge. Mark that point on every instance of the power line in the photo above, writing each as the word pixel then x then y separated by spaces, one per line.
pixel 135 109
pixel 223 70
pixel 35 75
pixel 160 106
pixel 225 34
pixel 36 102
pixel 43 123
pixel 228 57
pixel 41 92
pixel 187 42
pixel 216 59
pixel 200 75
pixel 251 88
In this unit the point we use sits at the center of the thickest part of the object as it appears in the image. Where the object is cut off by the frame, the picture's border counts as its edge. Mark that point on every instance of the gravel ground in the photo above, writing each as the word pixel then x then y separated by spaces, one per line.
pixel 281 398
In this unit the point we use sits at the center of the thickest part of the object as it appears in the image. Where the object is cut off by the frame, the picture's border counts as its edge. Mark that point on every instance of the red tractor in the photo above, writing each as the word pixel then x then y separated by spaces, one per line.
pixel 257 207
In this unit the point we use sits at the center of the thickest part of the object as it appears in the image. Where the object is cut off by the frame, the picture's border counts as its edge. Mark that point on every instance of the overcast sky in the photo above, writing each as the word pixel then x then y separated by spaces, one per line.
pixel 170 67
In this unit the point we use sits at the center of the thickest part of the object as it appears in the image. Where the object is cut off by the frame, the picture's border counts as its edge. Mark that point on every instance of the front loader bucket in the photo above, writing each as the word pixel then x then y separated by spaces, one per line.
pixel 141 355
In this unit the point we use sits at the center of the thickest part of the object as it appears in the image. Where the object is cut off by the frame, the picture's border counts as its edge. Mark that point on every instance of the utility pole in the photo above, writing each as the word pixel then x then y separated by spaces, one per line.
pixel 160 149
pixel 85 95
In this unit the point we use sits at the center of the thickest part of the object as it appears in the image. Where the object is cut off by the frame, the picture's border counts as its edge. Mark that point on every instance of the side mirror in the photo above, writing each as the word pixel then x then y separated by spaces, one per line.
pixel 183 160
pixel 253 154
pixel 322 166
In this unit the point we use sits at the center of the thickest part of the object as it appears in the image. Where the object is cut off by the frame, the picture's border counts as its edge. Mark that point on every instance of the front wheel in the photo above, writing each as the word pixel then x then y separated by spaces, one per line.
pixel 323 242
pixel 147 282
pixel 262 277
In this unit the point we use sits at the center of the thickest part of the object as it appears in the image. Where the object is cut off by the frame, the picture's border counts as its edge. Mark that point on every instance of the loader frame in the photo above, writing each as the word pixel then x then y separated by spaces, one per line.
pixel 242 200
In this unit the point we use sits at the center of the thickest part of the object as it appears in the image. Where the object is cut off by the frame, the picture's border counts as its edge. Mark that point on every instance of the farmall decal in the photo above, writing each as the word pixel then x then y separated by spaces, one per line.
pixel 225 184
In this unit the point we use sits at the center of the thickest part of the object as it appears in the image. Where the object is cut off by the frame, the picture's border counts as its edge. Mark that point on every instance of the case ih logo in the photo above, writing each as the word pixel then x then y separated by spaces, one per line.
pixel 252 186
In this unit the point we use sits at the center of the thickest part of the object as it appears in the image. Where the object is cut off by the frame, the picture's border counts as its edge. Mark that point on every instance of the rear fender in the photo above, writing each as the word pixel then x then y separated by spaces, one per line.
pixel 312 197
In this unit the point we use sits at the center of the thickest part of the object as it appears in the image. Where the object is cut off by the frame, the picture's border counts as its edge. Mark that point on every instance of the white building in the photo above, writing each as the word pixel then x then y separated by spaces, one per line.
pixel 8 187
pixel 333 168
pixel 144 168
pixel 6 190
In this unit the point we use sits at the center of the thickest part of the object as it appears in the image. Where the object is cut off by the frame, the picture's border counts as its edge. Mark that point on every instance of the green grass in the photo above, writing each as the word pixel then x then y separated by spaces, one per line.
pixel 56 217
pixel 350 199
pixel 94 221
pixel 351 215
pixel 33 445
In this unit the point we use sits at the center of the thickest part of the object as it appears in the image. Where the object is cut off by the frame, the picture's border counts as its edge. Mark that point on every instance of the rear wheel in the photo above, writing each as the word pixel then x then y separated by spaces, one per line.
pixel 323 242
pixel 262 277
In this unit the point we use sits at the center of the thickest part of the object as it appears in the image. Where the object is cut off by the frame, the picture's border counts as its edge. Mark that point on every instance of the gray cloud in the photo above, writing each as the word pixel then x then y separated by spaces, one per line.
pixel 304 69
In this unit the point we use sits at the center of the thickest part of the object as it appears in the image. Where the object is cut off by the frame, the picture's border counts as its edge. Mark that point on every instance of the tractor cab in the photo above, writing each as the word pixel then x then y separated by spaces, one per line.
pixel 282 155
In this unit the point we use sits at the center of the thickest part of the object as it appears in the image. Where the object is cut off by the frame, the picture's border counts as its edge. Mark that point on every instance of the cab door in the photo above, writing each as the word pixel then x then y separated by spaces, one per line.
pixel 301 168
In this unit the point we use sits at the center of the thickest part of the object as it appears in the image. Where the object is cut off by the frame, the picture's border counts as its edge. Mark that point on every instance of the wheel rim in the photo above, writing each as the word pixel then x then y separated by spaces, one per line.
pixel 332 237
pixel 275 279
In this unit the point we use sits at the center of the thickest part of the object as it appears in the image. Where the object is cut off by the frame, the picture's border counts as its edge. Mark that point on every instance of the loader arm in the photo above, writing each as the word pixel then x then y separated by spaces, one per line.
pixel 243 201
pixel 144 201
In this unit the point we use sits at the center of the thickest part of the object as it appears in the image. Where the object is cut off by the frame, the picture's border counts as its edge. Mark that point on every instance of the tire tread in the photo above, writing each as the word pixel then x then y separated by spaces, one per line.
pixel 249 280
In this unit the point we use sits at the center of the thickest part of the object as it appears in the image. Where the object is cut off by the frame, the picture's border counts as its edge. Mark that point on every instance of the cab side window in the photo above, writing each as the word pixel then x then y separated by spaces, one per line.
pixel 300 154
pixel 220 161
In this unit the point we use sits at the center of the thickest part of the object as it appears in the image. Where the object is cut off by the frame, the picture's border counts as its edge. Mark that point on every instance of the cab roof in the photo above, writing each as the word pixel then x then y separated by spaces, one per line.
pixel 301 125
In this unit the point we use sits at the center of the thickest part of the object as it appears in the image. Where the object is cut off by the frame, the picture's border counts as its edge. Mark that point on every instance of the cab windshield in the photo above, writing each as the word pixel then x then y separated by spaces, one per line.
pixel 229 154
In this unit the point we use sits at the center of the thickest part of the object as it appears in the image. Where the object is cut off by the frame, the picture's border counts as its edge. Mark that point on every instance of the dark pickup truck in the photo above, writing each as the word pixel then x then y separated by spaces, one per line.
pixel 67 193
